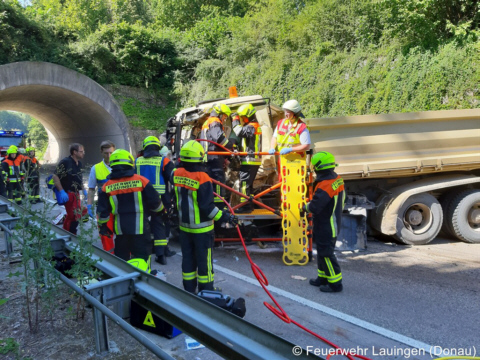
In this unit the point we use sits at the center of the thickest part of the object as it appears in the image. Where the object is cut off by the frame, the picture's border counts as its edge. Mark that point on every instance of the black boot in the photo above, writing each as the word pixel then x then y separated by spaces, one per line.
pixel 331 288
pixel 161 259
pixel 318 282
pixel 168 252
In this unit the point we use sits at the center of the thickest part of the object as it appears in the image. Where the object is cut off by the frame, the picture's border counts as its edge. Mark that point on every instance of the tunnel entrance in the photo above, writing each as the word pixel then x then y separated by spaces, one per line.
pixel 71 107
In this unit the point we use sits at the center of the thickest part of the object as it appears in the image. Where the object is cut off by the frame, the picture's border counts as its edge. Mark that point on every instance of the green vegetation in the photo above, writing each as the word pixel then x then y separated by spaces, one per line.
pixel 35 132
pixel 337 57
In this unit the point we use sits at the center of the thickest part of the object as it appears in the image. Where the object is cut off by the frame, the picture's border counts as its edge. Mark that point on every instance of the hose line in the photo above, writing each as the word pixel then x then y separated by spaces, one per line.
pixel 279 311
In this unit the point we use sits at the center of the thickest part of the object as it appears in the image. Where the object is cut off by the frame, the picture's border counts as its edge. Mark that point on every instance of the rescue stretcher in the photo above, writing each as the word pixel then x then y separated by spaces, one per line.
pixel 296 187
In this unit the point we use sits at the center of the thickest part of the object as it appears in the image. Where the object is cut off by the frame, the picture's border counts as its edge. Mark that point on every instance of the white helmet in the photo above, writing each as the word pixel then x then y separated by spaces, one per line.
pixel 293 106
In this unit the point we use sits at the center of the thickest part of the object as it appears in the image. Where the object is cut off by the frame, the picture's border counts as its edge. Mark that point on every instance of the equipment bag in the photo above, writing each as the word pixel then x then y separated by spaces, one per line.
pixel 63 263
pixel 226 302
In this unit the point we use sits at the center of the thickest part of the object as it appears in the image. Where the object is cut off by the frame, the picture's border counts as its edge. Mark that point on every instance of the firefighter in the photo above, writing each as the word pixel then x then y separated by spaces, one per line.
pixel 157 169
pixel 197 213
pixel 129 197
pixel 21 157
pixel 291 133
pixel 213 130
pixel 327 207
pixel 32 172
pixel 68 184
pixel 247 128
pixel 11 166
pixel 98 177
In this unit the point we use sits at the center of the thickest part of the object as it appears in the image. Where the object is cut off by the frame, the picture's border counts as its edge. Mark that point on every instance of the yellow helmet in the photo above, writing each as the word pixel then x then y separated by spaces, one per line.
pixel 192 152
pixel 12 150
pixel 222 109
pixel 246 110
pixel 151 140
pixel 121 157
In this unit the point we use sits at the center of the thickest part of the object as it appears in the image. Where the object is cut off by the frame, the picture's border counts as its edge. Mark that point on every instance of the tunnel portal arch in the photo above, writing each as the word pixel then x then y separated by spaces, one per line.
pixel 71 106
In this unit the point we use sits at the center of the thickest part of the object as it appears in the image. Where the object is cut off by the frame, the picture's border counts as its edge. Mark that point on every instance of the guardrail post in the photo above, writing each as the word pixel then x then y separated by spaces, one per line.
pixel 101 326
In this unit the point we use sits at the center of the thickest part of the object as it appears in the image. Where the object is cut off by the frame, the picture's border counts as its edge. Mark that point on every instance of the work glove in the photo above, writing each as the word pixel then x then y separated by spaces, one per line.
pixel 104 230
pixel 271 151
pixel 285 151
pixel 303 210
pixel 90 211
pixel 62 197
pixel 232 219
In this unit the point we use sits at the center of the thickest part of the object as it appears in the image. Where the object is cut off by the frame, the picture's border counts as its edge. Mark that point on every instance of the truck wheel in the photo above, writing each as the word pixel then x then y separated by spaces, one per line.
pixel 464 215
pixel 445 201
pixel 419 220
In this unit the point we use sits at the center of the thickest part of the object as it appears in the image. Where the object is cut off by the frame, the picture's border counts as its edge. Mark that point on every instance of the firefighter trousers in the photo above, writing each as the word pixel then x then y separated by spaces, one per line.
pixel 247 176
pixel 158 228
pixel 215 169
pixel 14 191
pixel 133 246
pixel 33 188
pixel 328 267
pixel 197 261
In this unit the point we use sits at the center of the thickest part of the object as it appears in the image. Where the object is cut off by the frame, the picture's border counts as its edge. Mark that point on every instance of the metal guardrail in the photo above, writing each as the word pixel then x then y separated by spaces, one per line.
pixel 217 329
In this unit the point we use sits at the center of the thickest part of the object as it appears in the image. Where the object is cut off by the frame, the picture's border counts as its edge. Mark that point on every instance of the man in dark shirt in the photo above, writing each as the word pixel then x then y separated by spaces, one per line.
pixel 68 182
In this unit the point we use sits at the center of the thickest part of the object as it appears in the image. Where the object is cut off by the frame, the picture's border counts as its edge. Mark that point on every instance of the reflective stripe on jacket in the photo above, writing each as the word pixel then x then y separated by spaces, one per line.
pixel 194 196
pixel 12 168
pixel 327 206
pixel 286 137
pixel 31 167
pixel 251 135
pixel 129 199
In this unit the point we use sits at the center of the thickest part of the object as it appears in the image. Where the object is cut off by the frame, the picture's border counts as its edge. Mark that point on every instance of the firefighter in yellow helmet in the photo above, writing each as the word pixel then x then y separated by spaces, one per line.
pixel 11 166
pixel 327 207
pixel 249 131
pixel 130 198
pixel 197 213
pixel 157 169
pixel 213 130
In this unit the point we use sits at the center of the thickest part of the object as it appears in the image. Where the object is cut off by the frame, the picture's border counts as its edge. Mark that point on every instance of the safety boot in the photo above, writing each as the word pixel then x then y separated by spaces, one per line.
pixel 161 259
pixel 168 252
pixel 318 282
pixel 331 288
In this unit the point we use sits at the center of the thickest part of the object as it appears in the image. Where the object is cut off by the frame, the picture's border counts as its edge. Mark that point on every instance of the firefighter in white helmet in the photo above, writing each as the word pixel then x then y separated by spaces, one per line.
pixel 291 133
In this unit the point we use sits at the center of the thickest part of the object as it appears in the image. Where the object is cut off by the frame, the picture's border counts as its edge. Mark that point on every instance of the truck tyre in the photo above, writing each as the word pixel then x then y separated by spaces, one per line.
pixel 464 216
pixel 419 220
pixel 445 201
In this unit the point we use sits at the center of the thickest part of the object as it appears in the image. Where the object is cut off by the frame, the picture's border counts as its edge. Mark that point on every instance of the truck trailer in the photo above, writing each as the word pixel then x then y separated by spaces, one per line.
pixel 410 175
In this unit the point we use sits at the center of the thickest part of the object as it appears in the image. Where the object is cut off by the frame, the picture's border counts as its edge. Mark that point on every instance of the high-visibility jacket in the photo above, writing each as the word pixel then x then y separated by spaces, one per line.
pixel 251 136
pixel 194 196
pixel 327 205
pixel 21 163
pixel 156 169
pixel 289 137
pixel 129 199
pixel 31 167
pixel 101 174
pixel 12 168
pixel 212 129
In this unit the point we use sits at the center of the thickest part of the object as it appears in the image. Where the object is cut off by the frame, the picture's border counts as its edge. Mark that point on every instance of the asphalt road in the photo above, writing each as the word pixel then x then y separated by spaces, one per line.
pixel 399 302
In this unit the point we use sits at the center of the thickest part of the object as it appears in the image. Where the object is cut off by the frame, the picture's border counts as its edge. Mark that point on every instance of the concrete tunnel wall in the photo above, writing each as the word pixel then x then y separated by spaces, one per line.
pixel 71 106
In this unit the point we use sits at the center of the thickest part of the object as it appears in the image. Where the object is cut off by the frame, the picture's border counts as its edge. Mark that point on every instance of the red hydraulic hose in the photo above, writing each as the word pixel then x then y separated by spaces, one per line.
pixel 280 312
